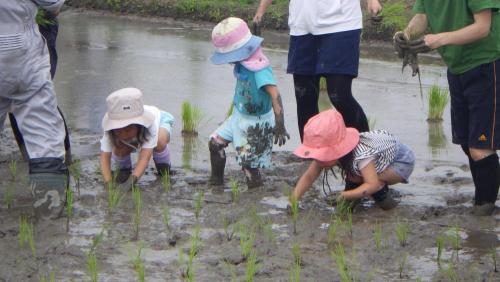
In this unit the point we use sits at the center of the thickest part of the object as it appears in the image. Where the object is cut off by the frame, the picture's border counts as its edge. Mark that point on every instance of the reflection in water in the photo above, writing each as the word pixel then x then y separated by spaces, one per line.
pixel 481 240
pixel 189 149
pixel 437 139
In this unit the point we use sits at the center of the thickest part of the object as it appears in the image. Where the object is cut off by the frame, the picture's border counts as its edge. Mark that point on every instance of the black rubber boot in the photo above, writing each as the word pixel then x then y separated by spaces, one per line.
pixel 217 161
pixel 485 173
pixel 253 177
pixel 162 169
pixel 383 199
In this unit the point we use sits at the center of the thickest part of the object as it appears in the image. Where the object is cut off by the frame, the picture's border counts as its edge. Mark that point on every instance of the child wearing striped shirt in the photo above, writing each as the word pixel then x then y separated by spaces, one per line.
pixel 369 161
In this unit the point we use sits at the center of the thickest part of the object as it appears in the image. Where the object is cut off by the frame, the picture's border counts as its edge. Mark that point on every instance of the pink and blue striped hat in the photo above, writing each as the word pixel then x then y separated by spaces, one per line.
pixel 233 41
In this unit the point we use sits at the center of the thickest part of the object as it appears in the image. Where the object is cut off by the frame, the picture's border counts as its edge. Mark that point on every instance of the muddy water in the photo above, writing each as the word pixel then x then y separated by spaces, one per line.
pixel 168 60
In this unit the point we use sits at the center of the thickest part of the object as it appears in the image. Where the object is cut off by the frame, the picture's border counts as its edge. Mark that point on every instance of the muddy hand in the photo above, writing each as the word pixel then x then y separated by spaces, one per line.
pixel 418 46
pixel 280 134
pixel 400 43
pixel 377 19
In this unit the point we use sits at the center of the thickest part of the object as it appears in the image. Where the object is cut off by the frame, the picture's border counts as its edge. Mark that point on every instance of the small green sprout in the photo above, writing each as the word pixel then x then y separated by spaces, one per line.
pixel 138 264
pixel 251 268
pixel 136 196
pixel 377 236
pixel 165 181
pixel 75 169
pixel 26 234
pixel 402 265
pixel 235 190
pixel 50 278
pixel 200 198
pixel 440 246
pixel 493 254
pixel 92 266
pixel 165 215
pixel 402 230
pixel 13 169
pixel 294 210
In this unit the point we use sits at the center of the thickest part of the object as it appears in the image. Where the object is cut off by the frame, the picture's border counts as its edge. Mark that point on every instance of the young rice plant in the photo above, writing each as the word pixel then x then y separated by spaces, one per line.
pixel 191 118
pixel 438 99
pixel 26 234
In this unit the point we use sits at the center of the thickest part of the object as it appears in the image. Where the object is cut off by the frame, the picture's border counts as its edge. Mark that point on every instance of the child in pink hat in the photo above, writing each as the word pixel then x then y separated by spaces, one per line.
pixel 369 161
pixel 130 126
pixel 258 111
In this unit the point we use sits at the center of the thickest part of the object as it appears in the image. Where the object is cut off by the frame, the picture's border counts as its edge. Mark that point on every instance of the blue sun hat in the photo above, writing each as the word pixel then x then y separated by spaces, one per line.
pixel 233 41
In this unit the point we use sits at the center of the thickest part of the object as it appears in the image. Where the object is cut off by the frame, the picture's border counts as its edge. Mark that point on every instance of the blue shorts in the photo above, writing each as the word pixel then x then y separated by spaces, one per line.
pixel 332 53
pixel 252 138
pixel 404 162
pixel 166 121
pixel 475 106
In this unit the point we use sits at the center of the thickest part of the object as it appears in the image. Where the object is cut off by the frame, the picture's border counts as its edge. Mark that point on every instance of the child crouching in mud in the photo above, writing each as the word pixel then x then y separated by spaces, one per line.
pixel 369 161
pixel 131 126
pixel 252 124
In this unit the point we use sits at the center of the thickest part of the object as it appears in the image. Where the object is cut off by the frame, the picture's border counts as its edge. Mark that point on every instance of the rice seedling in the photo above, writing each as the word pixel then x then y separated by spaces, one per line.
pixel 344 207
pixel 235 190
pixel 247 239
pixel 349 224
pixel 455 239
pixel 493 254
pixel 198 203
pixel 8 196
pixel 418 279
pixel 296 254
pixel 439 245
pixel 165 181
pixel 395 16
pixel 295 272
pixel 114 197
pixel 335 222
pixel 165 215
pixel 402 230
pixel 13 169
pixel 438 99
pixel 189 275
pixel 338 255
pixel 450 272
pixel 138 264
pixel 251 268
pixel 294 210
pixel 229 233
pixel 92 266
pixel 26 234
pixel 75 169
pixel 402 265
pixel 136 196
pixel 50 278
pixel 69 206
pixel 269 233
pixel 191 118
pixel 377 236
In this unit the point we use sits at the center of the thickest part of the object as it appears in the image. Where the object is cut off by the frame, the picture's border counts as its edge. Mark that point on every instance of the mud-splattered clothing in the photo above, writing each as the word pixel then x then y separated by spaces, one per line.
pixel 252 137
pixel 250 96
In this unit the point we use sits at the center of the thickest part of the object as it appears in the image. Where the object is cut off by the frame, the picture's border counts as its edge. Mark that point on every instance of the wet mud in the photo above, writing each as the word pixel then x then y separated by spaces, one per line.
pixel 100 54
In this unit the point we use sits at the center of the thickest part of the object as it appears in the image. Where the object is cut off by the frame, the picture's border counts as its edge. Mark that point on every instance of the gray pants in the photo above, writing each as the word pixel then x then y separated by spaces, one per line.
pixel 26 88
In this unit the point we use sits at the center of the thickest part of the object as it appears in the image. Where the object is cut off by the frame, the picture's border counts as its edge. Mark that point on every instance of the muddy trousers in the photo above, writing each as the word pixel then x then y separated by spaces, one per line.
pixel 486 177
pixel 340 94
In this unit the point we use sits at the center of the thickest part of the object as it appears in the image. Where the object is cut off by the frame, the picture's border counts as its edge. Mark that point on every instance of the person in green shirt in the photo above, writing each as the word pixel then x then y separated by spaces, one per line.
pixel 466 33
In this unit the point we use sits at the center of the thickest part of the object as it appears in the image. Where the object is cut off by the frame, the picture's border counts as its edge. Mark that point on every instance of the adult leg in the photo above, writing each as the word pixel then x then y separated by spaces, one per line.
pixel 42 129
pixel 306 95
pixel 340 94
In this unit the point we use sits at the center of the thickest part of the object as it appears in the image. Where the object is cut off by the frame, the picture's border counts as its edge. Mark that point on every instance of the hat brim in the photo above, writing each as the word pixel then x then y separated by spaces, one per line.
pixel 145 120
pixel 239 54
pixel 326 154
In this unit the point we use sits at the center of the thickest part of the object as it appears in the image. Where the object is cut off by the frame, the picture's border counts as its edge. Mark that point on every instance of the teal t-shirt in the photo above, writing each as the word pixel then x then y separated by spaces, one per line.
pixel 250 96
pixel 451 15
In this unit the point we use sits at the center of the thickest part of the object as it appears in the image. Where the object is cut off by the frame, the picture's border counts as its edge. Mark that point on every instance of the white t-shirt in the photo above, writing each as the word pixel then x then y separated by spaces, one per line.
pixel 107 145
pixel 324 16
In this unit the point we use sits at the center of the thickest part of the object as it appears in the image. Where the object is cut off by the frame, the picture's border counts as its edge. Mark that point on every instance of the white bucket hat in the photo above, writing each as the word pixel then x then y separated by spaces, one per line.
pixel 125 107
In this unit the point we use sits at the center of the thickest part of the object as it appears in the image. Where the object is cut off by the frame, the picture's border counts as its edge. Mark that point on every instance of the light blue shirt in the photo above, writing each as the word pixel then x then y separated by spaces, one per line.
pixel 250 96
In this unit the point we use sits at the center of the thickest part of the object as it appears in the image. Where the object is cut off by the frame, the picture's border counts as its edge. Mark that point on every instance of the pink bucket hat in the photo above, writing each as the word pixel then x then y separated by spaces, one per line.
pixel 125 107
pixel 233 41
pixel 326 138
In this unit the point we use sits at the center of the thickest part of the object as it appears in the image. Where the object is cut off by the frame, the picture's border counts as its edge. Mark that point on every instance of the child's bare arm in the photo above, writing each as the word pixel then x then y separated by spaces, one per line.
pixel 106 166
pixel 306 180
pixel 142 162
pixel 473 32
pixel 371 184
pixel 279 130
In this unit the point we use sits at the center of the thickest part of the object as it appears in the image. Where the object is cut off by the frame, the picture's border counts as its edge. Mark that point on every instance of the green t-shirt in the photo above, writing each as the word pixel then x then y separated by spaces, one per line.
pixel 451 15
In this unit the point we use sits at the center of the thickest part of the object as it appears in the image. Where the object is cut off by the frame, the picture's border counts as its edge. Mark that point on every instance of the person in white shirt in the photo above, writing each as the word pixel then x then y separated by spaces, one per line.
pixel 324 42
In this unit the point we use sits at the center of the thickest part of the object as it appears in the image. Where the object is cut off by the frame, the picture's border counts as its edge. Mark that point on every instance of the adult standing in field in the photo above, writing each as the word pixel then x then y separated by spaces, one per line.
pixel 324 42
pixel 27 91
pixel 467 35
